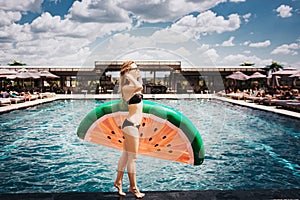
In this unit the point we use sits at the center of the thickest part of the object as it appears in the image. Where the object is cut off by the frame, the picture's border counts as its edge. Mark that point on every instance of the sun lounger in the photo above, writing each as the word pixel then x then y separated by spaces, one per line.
pixel 34 96
pixel 254 99
pixel 293 105
pixel 4 101
pixel 30 97
pixel 274 102
pixel 237 96
pixel 17 99
pixel 47 95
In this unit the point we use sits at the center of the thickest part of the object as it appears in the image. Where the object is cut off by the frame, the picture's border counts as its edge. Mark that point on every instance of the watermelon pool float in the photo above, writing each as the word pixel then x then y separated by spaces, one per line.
pixel 164 132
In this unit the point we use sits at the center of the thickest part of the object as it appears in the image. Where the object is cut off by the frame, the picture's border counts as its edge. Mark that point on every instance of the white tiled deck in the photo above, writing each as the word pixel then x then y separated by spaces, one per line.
pixel 8 108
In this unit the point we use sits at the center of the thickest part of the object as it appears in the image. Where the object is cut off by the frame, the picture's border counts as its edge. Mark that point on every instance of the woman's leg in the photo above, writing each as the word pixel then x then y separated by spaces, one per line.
pixel 123 161
pixel 131 144
pixel 121 168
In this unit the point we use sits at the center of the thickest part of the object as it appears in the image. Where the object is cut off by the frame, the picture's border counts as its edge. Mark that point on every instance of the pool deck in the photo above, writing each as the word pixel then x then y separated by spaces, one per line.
pixel 164 195
pixel 8 108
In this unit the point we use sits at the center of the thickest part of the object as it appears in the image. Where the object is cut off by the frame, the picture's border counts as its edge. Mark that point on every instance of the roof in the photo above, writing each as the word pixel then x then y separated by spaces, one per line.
pixel 162 65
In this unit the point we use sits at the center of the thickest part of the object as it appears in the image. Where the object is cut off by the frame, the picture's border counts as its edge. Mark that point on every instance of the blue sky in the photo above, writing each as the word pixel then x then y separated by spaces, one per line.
pixel 199 33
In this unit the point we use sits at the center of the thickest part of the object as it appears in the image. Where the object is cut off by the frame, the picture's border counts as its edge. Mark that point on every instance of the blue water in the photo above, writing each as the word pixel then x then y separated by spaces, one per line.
pixel 245 149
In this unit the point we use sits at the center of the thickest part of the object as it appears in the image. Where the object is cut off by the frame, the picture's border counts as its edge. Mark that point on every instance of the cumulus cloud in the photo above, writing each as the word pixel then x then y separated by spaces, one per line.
pixel 48 23
pixel 54 40
pixel 240 58
pixel 169 36
pixel 98 11
pixel 8 17
pixel 50 38
pixel 70 40
pixel 287 49
pixel 246 17
pixel 284 11
pixel 15 33
pixel 260 44
pixel 124 45
pixel 228 43
pixel 23 6
pixel 11 11
pixel 257 44
pixel 166 10
pixel 205 23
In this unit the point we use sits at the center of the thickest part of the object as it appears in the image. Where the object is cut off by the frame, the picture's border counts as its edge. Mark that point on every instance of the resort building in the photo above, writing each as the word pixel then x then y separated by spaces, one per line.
pixel 158 77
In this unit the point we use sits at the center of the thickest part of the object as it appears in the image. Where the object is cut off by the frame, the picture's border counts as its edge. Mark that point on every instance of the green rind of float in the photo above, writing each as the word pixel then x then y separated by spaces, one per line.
pixel 95 114
pixel 173 116
pixel 181 121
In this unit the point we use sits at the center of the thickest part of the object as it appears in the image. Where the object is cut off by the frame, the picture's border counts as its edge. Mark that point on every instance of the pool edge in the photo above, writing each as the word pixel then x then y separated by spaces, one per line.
pixel 273 109
pixel 181 194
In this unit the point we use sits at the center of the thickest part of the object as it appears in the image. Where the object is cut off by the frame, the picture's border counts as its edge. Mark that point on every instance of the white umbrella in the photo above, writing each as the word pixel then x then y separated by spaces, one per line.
pixel 238 76
pixel 47 74
pixel 6 72
pixel 24 75
pixel 257 75
pixel 286 71
pixel 297 74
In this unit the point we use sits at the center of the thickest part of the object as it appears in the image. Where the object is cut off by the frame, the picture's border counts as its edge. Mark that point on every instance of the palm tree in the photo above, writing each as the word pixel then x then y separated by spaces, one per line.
pixel 247 64
pixel 271 69
pixel 16 63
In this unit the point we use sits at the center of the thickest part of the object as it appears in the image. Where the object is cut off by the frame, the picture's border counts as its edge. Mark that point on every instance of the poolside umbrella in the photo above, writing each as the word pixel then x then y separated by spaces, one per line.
pixel 5 72
pixel 257 75
pixel 285 72
pixel 297 74
pixel 47 74
pixel 238 76
pixel 24 74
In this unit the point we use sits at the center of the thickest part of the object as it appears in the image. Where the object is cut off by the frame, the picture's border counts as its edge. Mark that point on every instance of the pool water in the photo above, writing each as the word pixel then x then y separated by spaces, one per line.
pixel 245 149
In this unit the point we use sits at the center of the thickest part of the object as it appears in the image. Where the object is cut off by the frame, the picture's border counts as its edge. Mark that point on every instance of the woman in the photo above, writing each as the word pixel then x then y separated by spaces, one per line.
pixel 130 89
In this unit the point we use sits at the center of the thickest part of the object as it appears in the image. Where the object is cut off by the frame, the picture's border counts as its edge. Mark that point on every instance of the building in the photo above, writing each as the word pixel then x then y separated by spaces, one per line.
pixel 158 77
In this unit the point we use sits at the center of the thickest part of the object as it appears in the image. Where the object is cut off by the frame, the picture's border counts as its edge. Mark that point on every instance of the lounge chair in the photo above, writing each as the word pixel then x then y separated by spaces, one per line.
pixel 47 95
pixel 4 101
pixel 237 96
pixel 293 105
pixel 34 96
pixel 257 97
pixel 17 99
pixel 30 97
pixel 275 102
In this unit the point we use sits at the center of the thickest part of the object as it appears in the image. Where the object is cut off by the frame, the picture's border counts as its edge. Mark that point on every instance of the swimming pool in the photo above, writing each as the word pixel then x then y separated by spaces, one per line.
pixel 245 149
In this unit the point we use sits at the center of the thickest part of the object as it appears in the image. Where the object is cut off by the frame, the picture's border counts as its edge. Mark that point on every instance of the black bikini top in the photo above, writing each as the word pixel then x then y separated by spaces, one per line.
pixel 135 99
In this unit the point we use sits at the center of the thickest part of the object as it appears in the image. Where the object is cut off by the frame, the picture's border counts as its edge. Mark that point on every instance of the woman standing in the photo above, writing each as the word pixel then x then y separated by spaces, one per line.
pixel 130 87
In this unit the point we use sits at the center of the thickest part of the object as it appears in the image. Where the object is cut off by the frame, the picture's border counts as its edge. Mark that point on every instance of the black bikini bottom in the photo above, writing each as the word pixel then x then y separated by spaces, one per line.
pixel 129 123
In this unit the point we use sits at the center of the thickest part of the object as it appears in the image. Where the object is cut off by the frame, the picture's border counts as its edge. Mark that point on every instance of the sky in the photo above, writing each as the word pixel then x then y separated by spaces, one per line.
pixel 199 33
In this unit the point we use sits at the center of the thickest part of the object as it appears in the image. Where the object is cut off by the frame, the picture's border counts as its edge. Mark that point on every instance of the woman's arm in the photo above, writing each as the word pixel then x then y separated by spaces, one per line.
pixel 129 90
pixel 136 82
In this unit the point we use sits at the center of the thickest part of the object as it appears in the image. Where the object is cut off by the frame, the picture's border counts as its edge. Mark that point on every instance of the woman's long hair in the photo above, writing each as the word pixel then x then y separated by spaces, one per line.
pixel 126 66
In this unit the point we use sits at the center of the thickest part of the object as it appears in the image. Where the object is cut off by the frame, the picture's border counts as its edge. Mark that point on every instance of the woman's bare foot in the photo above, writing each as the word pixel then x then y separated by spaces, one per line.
pixel 136 192
pixel 119 187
